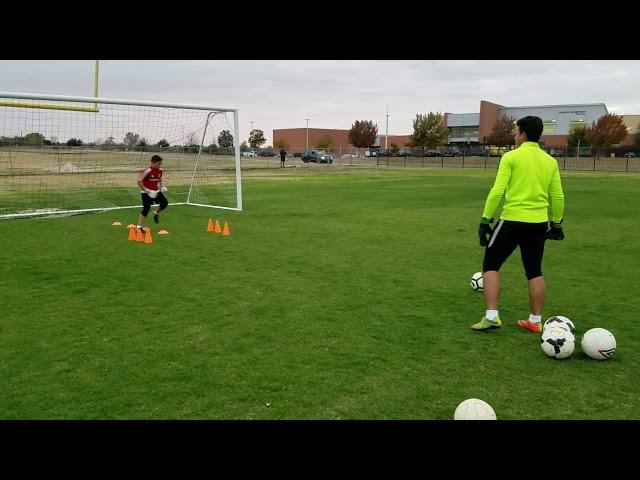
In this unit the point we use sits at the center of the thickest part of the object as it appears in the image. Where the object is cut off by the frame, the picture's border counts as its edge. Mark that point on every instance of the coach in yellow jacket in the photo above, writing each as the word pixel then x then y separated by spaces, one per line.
pixel 529 180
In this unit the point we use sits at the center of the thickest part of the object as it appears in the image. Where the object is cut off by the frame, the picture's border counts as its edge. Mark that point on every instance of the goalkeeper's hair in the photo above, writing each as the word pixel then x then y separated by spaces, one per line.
pixel 532 126
pixel 156 158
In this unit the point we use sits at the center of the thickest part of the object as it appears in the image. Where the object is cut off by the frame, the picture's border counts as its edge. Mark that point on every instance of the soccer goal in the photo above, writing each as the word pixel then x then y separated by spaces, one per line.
pixel 66 155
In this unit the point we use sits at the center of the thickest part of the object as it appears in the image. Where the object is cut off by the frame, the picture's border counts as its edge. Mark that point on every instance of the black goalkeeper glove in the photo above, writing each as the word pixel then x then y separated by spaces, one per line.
pixel 555 231
pixel 485 231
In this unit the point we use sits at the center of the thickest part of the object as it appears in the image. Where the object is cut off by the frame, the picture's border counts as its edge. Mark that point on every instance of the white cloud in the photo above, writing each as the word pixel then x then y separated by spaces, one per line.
pixel 281 94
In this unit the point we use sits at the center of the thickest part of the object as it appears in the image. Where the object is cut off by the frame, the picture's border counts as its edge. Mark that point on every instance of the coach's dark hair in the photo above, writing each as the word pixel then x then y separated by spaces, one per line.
pixel 156 158
pixel 532 126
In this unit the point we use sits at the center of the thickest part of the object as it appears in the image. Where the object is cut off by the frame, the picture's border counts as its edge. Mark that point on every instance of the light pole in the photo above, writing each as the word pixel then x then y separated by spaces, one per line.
pixel 581 120
pixel 386 134
pixel 578 148
pixel 307 143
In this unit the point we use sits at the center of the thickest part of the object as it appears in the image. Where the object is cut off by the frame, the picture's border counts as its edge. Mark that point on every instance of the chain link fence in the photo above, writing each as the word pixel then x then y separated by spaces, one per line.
pixel 621 160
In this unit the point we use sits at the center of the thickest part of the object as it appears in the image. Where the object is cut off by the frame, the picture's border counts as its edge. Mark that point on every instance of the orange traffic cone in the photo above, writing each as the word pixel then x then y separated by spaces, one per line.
pixel 210 226
pixel 132 233
pixel 218 229
pixel 147 237
pixel 225 230
pixel 139 236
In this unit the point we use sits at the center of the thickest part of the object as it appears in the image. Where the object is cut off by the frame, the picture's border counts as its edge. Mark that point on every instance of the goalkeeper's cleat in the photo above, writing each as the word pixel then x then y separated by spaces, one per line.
pixel 156 217
pixel 527 325
pixel 486 324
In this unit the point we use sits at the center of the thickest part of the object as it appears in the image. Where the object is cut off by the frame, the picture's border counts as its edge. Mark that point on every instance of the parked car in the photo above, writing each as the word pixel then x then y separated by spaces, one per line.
pixel 267 153
pixel 405 154
pixel 250 153
pixel 297 155
pixel 629 155
pixel 316 156
pixel 451 152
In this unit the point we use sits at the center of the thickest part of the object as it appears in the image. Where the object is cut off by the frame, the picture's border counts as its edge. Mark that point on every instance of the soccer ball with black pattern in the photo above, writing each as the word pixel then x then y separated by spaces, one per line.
pixel 559 321
pixel 557 342
pixel 599 343
pixel 477 282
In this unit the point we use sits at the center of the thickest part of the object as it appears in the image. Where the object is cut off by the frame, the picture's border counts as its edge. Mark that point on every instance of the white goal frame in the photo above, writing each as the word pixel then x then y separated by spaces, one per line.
pixel 95 102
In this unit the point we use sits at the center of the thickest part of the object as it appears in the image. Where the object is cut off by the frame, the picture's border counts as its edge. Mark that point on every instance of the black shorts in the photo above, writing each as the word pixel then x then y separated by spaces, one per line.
pixel 147 201
pixel 507 235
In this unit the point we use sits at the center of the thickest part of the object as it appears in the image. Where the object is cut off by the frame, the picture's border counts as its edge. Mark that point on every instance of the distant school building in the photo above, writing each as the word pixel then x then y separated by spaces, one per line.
pixel 473 128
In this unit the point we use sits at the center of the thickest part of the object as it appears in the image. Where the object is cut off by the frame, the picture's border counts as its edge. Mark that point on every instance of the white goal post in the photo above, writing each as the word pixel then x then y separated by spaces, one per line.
pixel 66 154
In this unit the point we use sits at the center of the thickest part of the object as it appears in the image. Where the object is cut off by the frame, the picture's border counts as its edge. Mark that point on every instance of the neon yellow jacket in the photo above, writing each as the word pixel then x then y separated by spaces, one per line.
pixel 528 178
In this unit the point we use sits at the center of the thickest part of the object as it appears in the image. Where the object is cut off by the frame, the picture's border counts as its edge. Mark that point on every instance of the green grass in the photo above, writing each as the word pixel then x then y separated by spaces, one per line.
pixel 339 295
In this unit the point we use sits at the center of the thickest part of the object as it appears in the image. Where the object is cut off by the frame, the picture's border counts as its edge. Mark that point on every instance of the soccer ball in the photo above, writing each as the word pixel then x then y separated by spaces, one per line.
pixel 599 343
pixel 557 342
pixel 476 282
pixel 559 321
pixel 474 409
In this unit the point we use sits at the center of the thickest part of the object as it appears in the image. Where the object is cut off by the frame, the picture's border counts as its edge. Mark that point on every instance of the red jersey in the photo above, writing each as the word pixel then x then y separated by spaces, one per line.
pixel 150 177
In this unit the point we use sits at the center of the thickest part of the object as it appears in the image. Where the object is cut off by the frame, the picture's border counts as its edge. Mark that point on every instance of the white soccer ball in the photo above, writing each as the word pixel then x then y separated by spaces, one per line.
pixel 599 343
pixel 474 409
pixel 477 282
pixel 559 321
pixel 557 342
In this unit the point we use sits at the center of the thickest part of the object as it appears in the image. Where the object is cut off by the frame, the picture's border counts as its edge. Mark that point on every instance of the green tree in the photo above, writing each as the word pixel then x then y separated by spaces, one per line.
pixel 109 142
pixel 34 139
pixel 636 137
pixel 256 138
pixel 324 143
pixel 163 143
pixel 429 130
pixel 503 132
pixel 244 147
pixel 577 135
pixel 74 142
pixel 394 149
pixel 131 139
pixel 225 139
pixel 141 145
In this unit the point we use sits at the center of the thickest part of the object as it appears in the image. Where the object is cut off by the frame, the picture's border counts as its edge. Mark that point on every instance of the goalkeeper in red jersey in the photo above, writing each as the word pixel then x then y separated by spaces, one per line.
pixel 152 190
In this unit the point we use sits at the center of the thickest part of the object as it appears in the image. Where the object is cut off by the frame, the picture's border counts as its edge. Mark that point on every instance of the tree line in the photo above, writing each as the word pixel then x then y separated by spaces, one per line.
pixel 131 141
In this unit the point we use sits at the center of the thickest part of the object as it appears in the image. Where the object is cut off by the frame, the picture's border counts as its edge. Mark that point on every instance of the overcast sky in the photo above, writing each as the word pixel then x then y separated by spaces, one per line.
pixel 333 94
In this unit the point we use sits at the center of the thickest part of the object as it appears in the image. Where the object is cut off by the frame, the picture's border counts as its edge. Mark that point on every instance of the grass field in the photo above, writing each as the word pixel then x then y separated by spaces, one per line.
pixel 340 294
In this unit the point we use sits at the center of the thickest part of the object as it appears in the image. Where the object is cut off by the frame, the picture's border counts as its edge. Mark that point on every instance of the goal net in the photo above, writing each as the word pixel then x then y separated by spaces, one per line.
pixel 64 155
